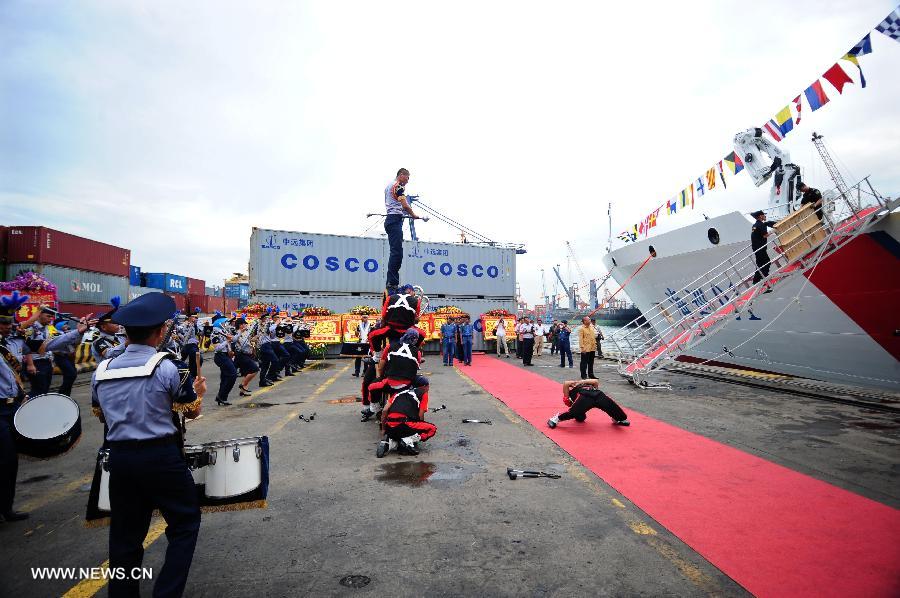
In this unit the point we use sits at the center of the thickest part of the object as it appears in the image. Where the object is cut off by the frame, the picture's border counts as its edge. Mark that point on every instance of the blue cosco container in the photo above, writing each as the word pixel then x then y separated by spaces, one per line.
pixel 170 283
pixel 134 276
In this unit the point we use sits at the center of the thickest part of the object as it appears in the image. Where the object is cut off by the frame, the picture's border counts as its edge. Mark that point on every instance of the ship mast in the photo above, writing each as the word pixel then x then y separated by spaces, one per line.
pixel 832 169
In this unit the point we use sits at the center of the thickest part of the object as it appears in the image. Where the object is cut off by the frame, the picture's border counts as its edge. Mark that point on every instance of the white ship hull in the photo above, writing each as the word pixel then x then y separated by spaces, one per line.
pixel 843 327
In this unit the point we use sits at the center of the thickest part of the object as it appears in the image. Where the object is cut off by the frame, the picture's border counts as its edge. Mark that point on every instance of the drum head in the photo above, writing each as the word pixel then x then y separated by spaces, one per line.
pixel 46 416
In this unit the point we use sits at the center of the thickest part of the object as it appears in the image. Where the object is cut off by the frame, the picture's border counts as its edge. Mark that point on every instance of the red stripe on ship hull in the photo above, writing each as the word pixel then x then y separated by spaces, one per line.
pixel 863 280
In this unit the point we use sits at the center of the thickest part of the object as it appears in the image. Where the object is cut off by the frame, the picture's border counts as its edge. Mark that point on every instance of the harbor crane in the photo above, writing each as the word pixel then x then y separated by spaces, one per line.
pixel 569 290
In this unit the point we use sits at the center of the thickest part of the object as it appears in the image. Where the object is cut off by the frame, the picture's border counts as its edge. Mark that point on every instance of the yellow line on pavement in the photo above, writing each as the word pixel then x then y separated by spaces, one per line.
pixel 293 414
pixel 89 587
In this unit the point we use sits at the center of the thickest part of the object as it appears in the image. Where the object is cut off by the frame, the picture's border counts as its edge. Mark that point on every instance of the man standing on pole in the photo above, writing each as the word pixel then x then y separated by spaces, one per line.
pixel 396 207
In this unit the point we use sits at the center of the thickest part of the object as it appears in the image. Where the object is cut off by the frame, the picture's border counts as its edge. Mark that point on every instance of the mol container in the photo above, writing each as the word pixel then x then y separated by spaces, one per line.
pixel 288 262
pixel 136 291
pixel 170 283
pixel 42 245
pixel 78 286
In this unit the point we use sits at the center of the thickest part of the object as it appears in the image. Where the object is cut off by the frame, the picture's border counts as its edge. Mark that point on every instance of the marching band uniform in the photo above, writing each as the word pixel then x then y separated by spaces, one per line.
pixel 147 469
pixel 110 340
pixel 243 355
pixel 267 358
pixel 11 395
pixel 276 333
pixel 223 359
pixel 296 347
pixel 190 342
pixel 63 349
pixel 448 341
pixel 43 362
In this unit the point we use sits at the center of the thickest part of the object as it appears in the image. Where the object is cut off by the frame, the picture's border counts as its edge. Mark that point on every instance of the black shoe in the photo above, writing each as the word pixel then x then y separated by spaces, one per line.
pixel 767 291
pixel 383 447
pixel 366 415
pixel 264 384
pixel 241 387
pixel 275 378
pixel 245 394
pixel 355 375
pixel 622 422
pixel 405 449
pixel 15 515
pixel 221 402
pixel 289 374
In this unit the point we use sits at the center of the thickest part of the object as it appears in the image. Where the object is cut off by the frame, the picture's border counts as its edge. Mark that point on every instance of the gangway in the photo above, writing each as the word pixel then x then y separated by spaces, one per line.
pixel 674 326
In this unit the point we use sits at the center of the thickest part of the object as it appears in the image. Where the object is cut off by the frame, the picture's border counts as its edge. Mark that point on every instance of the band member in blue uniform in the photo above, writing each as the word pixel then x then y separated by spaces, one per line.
pixel 448 341
pixel 224 358
pixel 63 348
pixel 268 361
pixel 277 332
pixel 12 393
pixel 190 342
pixel 111 340
pixel 243 355
pixel 40 373
pixel 147 469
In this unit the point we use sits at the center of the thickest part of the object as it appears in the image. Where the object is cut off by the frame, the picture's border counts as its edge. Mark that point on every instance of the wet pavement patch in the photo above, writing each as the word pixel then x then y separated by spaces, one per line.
pixel 354 581
pixel 418 473
pixel 319 365
pixel 35 478
pixel 255 405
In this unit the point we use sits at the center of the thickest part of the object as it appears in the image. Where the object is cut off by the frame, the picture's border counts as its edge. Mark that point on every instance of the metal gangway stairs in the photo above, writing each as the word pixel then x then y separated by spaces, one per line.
pixel 674 326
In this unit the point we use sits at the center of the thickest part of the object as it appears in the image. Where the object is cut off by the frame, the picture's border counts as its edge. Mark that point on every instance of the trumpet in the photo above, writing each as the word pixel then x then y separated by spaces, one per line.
pixel 424 302
pixel 63 316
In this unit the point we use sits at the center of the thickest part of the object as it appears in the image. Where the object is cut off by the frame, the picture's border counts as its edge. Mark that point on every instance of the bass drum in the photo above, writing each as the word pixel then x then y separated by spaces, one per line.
pixel 47 425
pixel 235 467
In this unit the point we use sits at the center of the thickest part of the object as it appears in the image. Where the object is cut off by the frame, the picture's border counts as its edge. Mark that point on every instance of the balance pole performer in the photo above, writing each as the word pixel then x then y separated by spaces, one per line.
pixel 396 209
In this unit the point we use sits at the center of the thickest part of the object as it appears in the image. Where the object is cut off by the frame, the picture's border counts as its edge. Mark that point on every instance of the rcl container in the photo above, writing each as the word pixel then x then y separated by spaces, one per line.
pixel 195 286
pixel 78 286
pixel 170 283
pixel 42 245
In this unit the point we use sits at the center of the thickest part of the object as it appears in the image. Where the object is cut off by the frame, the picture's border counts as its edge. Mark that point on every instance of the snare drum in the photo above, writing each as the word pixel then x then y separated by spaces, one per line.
pixel 235 467
pixel 197 460
pixel 47 425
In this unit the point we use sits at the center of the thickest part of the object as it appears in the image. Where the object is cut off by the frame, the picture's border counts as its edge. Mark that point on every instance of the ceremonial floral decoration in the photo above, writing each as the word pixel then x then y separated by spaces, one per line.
pixel 498 312
pixel 317 350
pixel 448 309
pixel 316 311
pixel 364 310
pixel 255 310
pixel 28 281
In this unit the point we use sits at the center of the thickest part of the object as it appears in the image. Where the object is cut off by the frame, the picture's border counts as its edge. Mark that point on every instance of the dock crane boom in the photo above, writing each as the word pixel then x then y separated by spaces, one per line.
pixel 569 290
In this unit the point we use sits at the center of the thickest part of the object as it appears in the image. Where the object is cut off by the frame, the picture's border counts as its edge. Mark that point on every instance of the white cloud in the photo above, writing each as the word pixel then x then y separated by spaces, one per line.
pixel 173 128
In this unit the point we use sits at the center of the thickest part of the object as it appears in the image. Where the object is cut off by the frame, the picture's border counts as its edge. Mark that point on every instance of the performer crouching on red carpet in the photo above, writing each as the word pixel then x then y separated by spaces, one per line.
pixel 582 395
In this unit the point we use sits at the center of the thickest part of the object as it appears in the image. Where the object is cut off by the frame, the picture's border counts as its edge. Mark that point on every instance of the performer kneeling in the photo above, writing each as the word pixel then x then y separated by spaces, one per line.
pixel 581 396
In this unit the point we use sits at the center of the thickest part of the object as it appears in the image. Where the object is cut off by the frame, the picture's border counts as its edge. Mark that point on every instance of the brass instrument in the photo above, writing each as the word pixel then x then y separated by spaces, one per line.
pixel 424 301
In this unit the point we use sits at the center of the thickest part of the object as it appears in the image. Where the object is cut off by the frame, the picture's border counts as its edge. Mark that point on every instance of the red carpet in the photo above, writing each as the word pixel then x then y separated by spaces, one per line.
pixel 773 530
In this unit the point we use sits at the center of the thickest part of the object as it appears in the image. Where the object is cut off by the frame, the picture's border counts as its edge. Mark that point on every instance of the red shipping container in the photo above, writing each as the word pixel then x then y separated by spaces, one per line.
pixel 180 301
pixel 82 309
pixel 196 286
pixel 216 304
pixel 4 230
pixel 231 304
pixel 195 301
pixel 42 245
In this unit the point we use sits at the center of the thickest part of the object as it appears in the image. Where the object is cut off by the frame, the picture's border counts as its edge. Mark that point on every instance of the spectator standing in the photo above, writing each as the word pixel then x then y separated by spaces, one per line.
pixel 527 332
pixel 518 327
pixel 501 338
pixel 466 332
pixel 587 341
pixel 554 337
pixel 600 336
pixel 539 332
pixel 565 348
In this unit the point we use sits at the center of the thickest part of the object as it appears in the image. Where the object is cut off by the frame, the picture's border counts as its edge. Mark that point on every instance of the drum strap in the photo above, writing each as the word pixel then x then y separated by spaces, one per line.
pixel 103 372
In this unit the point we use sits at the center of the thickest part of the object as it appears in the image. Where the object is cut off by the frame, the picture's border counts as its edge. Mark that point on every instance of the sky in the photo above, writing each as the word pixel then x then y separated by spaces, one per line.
pixel 172 128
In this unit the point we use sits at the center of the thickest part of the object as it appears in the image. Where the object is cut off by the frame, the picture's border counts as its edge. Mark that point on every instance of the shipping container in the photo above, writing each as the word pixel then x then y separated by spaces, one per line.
pixel 232 305
pixel 201 301
pixel 286 262
pixel 215 304
pixel 77 286
pixel 180 301
pixel 237 290
pixel 134 292
pixel 214 291
pixel 81 310
pixel 4 235
pixel 42 245
pixel 134 276
pixel 344 303
pixel 170 283
pixel 195 286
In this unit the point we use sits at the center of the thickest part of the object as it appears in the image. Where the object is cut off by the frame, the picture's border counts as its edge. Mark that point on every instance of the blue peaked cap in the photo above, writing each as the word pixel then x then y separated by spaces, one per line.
pixel 151 309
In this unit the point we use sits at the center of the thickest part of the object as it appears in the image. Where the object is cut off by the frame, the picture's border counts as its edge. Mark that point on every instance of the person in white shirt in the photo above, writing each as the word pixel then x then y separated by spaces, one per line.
pixel 539 331
pixel 526 329
pixel 363 334
pixel 501 338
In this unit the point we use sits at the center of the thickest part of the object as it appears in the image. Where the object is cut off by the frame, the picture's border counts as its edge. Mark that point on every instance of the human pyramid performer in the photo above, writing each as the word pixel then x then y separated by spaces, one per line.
pixel 393 390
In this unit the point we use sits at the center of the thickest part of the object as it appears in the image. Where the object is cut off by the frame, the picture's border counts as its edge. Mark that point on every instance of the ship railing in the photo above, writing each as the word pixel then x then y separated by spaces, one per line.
pixel 724 292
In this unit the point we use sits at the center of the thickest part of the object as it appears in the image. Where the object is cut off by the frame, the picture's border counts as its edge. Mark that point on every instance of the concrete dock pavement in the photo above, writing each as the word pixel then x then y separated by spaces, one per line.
pixel 448 522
